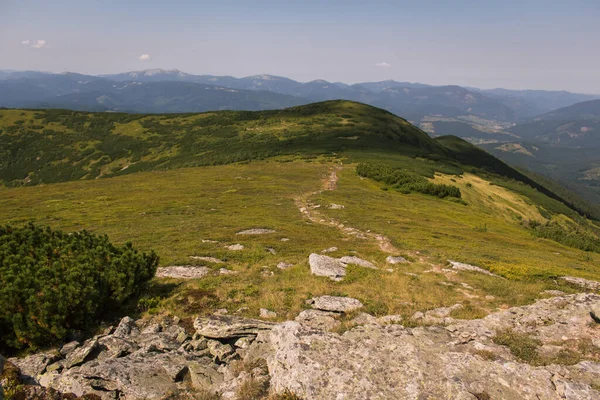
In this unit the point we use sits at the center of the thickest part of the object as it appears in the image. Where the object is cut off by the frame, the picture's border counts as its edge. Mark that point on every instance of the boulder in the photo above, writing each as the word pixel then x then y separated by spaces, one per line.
pixel 327 266
pixel 335 304
pixel 204 376
pixel 228 326
pixel 219 350
pixel 34 365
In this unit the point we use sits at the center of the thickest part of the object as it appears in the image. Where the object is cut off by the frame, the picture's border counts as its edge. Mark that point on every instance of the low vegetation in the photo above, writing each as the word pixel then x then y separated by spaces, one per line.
pixel 52 282
pixel 405 181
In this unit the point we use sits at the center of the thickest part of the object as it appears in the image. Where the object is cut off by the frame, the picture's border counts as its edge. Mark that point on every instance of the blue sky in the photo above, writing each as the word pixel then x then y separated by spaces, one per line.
pixel 536 44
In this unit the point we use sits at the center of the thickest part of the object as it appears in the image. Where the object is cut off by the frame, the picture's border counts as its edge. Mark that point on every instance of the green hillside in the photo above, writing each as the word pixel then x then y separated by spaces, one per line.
pixel 46 146
pixel 340 177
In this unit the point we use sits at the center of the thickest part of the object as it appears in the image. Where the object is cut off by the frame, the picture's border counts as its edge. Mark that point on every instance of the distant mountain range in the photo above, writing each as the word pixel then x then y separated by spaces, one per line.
pixel 158 91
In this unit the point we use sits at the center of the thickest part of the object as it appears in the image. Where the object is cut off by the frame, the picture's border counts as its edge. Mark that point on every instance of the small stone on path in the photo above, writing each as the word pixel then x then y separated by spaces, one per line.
pixel 235 247
pixel 256 231
pixel 182 272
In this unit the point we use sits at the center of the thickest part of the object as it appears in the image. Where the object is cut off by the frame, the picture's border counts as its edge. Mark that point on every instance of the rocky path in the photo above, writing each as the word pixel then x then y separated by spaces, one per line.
pixel 311 211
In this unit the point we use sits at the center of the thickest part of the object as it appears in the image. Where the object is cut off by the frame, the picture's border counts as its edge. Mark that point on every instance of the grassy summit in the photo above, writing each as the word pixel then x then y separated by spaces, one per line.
pixel 299 169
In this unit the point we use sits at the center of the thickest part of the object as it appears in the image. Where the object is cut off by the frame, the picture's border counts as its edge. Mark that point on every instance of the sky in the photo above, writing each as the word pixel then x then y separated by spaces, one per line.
pixel 526 44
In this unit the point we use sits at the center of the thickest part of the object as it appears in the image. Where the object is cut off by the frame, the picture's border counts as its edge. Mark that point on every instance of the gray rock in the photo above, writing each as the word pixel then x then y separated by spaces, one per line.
pixel 204 376
pixel 182 272
pixel 235 247
pixel 395 260
pixel 327 266
pixel 335 304
pixel 584 283
pixel 357 261
pixel 127 327
pixel 82 354
pixel 334 206
pixel 227 326
pixel 69 347
pixel 317 319
pixel 467 267
pixel 219 350
pixel 256 231
pixel 267 314
pixel 284 265
pixel 115 347
pixel 244 342
pixel 34 365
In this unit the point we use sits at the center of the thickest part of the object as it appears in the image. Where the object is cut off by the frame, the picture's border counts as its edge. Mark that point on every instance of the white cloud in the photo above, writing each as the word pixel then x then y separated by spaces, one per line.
pixel 35 44
pixel 38 44
pixel 383 64
pixel 144 57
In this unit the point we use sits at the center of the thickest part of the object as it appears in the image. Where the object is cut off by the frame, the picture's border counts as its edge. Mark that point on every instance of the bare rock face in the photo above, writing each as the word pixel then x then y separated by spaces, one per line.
pixel 327 266
pixel 225 326
pixel 389 361
pixel 335 304
pixel 317 319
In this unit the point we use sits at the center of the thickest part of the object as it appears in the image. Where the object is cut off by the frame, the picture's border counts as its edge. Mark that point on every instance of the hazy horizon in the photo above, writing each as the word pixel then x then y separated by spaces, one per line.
pixel 510 44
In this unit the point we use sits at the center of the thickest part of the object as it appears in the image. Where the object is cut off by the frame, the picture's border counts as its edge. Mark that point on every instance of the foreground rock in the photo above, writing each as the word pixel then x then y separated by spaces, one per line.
pixel 182 272
pixel 377 361
pixel 396 260
pixel 334 268
pixel 335 304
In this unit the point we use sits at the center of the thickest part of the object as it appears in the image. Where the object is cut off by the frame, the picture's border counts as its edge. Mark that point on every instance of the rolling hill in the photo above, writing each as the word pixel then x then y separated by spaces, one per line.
pixel 249 212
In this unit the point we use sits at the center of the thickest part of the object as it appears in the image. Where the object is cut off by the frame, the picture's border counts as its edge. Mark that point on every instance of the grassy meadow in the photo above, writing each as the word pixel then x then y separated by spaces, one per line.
pixel 198 211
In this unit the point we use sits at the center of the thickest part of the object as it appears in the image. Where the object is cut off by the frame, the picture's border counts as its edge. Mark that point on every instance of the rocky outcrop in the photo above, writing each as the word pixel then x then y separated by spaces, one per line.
pixel 461 361
pixel 374 358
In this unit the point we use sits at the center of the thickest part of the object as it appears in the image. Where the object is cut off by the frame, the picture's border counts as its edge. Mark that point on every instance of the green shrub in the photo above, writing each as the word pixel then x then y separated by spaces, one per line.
pixel 575 236
pixel 405 181
pixel 53 282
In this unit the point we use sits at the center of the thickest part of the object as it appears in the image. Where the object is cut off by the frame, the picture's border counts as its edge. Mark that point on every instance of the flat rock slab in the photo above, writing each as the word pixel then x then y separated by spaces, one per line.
pixel 327 266
pixel 182 272
pixel 467 267
pixel 227 326
pixel 256 231
pixel 335 304
pixel 334 268
pixel 584 283
pixel 235 247
pixel 357 261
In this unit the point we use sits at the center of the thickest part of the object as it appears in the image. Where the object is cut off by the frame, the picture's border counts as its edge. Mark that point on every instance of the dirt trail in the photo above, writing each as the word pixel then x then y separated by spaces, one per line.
pixel 311 211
